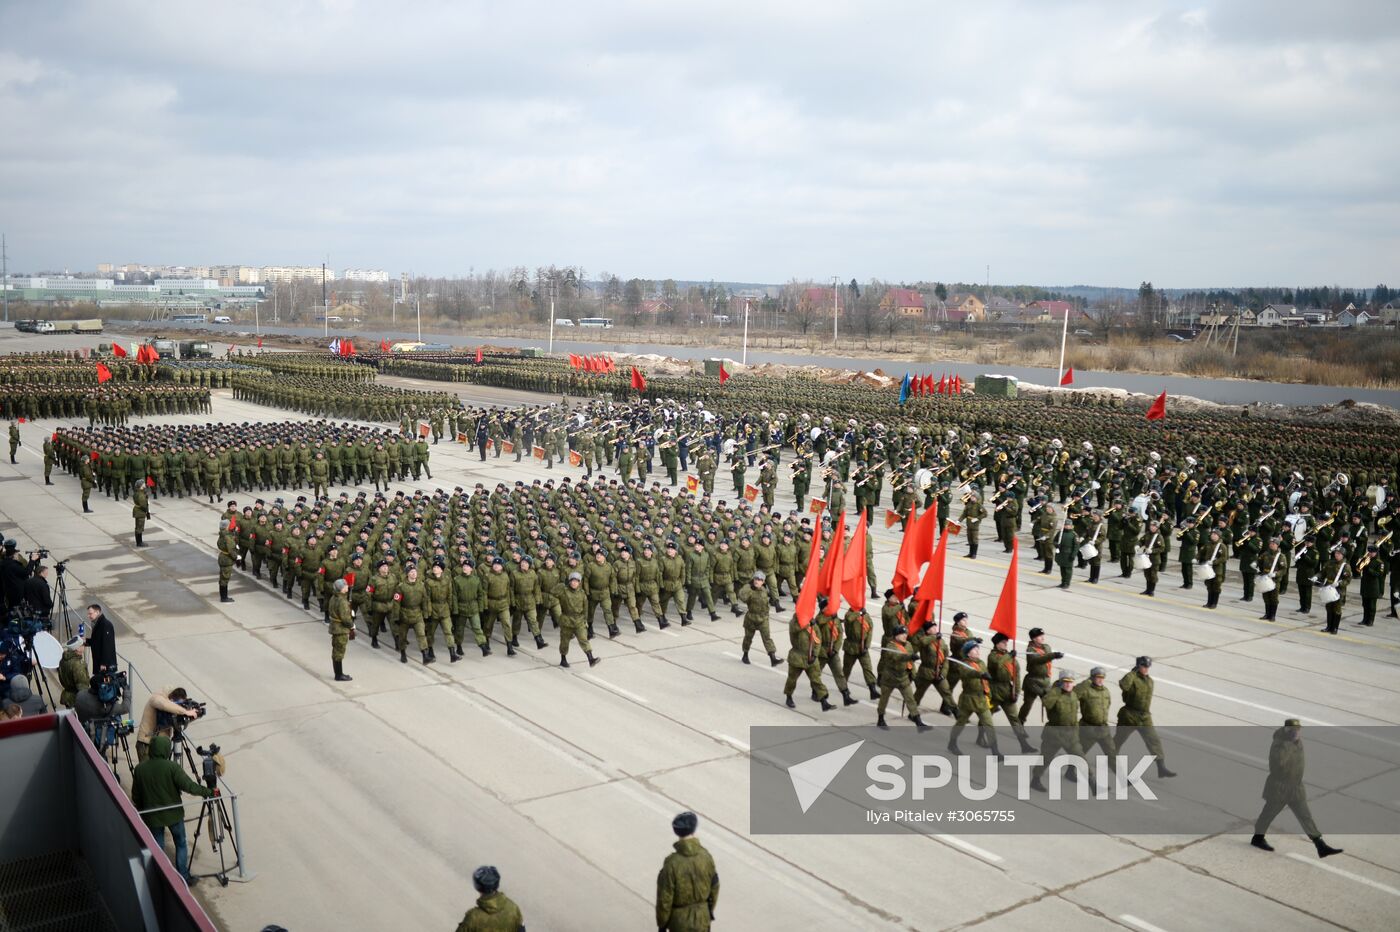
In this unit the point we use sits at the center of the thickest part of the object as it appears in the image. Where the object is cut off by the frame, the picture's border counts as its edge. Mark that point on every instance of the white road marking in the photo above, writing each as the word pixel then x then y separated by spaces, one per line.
pixel 614 689
pixel 1141 923
pixel 1313 862
pixel 731 741
pixel 971 849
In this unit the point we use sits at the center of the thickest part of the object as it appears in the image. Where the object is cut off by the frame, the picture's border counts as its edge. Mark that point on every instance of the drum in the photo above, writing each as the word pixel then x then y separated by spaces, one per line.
pixel 1206 571
pixel 1088 552
pixel 1328 594
pixel 1142 561
pixel 954 526
pixel 1265 584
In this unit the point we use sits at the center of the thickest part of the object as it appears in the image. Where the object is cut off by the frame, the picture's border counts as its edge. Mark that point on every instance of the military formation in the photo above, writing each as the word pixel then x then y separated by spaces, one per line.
pixel 206 373
pixel 217 459
pixel 106 404
pixel 357 399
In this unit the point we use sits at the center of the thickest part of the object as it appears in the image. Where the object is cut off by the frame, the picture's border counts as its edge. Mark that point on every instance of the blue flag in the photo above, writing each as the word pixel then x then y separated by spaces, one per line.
pixel 904 389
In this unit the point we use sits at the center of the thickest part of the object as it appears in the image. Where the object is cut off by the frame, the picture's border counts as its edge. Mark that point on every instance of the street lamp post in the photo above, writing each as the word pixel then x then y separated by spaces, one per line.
pixel 745 360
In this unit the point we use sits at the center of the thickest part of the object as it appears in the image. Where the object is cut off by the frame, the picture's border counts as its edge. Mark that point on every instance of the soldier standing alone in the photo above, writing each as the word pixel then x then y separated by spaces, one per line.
pixel 687 888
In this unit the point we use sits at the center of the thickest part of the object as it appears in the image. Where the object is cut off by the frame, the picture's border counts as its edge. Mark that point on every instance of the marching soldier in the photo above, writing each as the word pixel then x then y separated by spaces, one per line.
pixel 573 622
pixel 1136 714
pixel 856 647
pixel 1061 731
pixel 1039 667
pixel 1005 683
pixel 975 700
pixel 896 666
pixel 1094 701
pixel 752 604
pixel 802 658
pixel 1284 787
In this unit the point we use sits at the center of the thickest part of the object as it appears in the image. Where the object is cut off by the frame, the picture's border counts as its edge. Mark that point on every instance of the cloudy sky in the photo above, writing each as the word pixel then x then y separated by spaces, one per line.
pixel 1215 142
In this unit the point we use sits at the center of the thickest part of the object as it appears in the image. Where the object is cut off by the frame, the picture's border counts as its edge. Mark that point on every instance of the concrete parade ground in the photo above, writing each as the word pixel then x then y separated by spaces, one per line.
pixel 367 804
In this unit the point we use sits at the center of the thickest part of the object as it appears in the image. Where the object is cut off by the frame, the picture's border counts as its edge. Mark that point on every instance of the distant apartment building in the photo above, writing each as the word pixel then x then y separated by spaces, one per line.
pixel 365 275
pixel 292 273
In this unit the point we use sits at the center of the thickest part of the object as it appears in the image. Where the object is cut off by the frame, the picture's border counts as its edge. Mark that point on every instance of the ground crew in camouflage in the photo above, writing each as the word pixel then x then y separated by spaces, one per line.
pixel 687 888
pixel 573 619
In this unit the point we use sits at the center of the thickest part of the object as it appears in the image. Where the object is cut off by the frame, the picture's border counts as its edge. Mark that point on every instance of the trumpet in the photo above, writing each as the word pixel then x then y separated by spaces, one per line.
pixel 1379 544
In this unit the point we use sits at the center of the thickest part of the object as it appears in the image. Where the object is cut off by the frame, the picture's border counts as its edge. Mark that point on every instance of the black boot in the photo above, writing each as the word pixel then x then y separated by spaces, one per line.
pixel 1162 770
pixel 432 654
pixel 685 620
pixel 403 655
pixel 1324 850
pixel 826 705
pixel 510 649
pixel 715 617
pixel 539 643
pixel 1259 842
pixel 919 723
pixel 773 660
pixel 953 739
pixel 592 661
pixel 662 623
pixel 374 640
pixel 612 631
pixel 454 654
pixel 86 509
pixel 874 693
pixel 223 594
pixel 306 602
pixel 340 676
pixel 945 709
pixel 1026 746
pixel 138 541
pixel 427 658
pixel 846 698
pixel 639 626
pixel 485 649
pixel 790 704
pixel 880 722
pixel 563 661
pixel 745 657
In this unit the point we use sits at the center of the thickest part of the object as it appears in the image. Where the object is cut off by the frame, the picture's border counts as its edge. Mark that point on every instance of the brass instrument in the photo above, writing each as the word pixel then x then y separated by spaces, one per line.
pixel 1379 544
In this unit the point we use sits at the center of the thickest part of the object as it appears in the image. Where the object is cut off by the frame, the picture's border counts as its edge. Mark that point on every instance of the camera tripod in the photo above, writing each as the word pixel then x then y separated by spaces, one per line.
pixel 220 833
pixel 61 602
pixel 181 744
pixel 108 735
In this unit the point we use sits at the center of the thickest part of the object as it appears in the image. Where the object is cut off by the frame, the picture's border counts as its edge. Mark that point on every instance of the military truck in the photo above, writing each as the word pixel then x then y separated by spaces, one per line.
pixel 195 349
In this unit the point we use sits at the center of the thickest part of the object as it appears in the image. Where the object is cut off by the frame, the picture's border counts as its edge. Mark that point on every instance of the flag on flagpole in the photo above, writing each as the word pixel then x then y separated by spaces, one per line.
pixel 943 384
pixel 853 581
pixel 118 351
pixel 829 564
pixel 103 374
pixel 750 493
pixel 891 518
pixel 903 393
pixel 335 345
pixel 816 505
pixel 692 484
pixel 927 388
pixel 913 557
pixel 478 354
pixel 383 345
pixel 259 342
pixel 957 385
pixel 724 376
pixel 639 383
pixel 836 579
pixel 897 583
pixel 1004 618
pixel 931 587
pixel 1068 377
pixel 1158 411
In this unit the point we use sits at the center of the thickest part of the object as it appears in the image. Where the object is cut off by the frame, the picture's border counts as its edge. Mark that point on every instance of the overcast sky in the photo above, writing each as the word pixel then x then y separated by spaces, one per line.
pixel 1232 142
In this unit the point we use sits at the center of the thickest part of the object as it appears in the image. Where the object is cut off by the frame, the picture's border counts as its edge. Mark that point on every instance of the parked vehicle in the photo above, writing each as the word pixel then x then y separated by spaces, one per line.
pixel 595 322
pixel 196 349
pixel 165 349
pixel 563 322
pixel 92 325
pixel 222 319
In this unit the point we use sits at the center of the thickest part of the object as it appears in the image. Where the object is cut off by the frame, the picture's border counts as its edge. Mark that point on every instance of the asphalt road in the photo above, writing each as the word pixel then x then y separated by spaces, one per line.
pixel 1224 391
pixel 375 799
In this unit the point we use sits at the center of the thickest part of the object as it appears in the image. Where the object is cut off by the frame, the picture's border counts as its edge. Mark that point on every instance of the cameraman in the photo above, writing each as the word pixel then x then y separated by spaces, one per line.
pixel 37 594
pixel 156 785
pixel 13 573
pixel 102 641
pixel 158 718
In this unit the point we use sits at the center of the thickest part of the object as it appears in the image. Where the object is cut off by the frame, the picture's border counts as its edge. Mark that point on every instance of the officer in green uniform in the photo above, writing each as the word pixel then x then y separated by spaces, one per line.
pixel 573 619
pixel 468 599
pixel 85 481
pixel 856 647
pixel 14 441
pixel 342 628
pixel 439 613
pixel 227 546
pixel 687 888
pixel 498 586
pixel 974 700
pixel 48 459
pixel 411 594
pixel 1136 714
pixel 1006 686
pixel 1039 668
pixel 972 514
pixel 1061 731
pixel 140 510
pixel 802 658
pixel 382 607
pixel 1284 787
pixel 896 667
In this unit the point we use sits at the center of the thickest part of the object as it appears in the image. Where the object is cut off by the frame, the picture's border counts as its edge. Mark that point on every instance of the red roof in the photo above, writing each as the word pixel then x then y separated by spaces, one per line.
pixel 1056 309
pixel 819 297
pixel 957 315
pixel 905 297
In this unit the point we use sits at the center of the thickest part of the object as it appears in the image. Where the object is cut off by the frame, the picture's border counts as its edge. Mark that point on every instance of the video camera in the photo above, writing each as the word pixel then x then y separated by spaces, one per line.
pixel 192 705
pixel 211 765
pixel 109 697
pixel 25 622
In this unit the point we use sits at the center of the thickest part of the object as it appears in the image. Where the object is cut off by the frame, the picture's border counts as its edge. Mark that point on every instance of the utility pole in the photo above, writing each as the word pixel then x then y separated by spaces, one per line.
pixel 835 311
pixel 418 308
pixel 325 309
pixel 5 275
pixel 551 318
pixel 745 360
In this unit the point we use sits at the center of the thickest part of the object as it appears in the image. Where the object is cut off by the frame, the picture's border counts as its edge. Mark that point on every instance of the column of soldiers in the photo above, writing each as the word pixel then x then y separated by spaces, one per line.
pixel 216 459
pixel 207 373
pixel 107 404
pixel 357 399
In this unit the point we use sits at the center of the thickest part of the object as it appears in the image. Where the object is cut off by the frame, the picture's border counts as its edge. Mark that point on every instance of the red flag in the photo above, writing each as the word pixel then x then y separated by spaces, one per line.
pixel 383 345
pixel 573 361
pixel 150 482
pixel 853 582
pixel 103 374
pixel 833 554
pixel 349 578
pixel 806 605
pixel 944 386
pixel 478 354
pixel 928 384
pixel 118 351
pixel 1068 377
pixel 609 365
pixel 1004 618
pixel 232 523
pixel 723 375
pixel 639 383
pixel 898 583
pixel 931 588
pixel 957 385
pixel 913 557
pixel 1158 411
pixel 259 342
pixel 349 347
